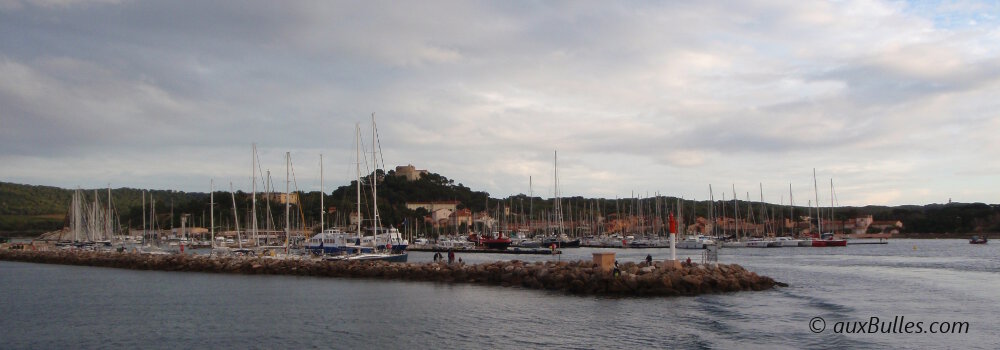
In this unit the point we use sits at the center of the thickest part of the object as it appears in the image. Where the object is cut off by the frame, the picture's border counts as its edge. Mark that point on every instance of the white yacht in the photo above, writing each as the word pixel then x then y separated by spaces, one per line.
pixel 695 242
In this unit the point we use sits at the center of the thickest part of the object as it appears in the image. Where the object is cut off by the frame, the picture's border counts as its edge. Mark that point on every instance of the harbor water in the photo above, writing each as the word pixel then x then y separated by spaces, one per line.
pixel 847 288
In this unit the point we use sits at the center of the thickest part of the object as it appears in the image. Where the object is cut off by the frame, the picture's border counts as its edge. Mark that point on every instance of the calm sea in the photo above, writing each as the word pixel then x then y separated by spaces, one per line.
pixel 925 281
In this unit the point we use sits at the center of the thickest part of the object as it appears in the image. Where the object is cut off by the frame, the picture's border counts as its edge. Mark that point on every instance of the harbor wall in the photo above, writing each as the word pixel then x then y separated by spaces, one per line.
pixel 576 277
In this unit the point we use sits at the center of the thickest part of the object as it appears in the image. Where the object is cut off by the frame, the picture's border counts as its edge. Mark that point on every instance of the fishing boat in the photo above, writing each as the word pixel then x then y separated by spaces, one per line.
pixel 977 240
pixel 496 241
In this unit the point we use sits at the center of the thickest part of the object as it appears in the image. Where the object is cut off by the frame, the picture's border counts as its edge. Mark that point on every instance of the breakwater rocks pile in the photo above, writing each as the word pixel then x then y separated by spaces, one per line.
pixel 579 277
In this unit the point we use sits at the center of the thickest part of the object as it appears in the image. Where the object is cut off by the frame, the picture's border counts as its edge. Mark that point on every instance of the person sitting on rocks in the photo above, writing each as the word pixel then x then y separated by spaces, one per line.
pixel 649 260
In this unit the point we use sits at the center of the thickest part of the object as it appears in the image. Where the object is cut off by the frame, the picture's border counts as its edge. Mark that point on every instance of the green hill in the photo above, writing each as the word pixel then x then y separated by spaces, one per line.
pixel 29 210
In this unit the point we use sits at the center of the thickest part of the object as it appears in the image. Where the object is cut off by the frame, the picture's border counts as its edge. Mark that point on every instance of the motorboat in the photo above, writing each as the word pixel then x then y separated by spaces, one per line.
pixel 760 243
pixel 496 241
pixel 977 240
pixel 695 242
pixel 789 242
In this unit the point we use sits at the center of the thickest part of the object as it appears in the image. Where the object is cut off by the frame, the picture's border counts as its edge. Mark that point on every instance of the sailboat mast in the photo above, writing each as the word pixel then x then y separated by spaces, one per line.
pixel 322 208
pixel 819 218
pixel 211 211
pixel 107 216
pixel 831 205
pixel 558 204
pixel 253 196
pixel 143 216
pixel 288 198
pixel 711 208
pixel 374 184
pixel 791 208
pixel 357 148
pixel 763 212
pixel 531 205
pixel 236 216
pixel 736 212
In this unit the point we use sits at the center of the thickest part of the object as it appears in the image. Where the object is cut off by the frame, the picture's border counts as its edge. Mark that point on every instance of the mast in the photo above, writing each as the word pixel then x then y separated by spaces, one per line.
pixel 558 204
pixel 152 221
pixel 288 198
pixel 831 206
pixel 77 215
pixel 107 216
pixel 93 224
pixel 211 211
pixel 791 208
pixel 711 208
pixel 253 196
pixel 374 185
pixel 531 205
pixel 763 212
pixel 819 218
pixel 357 148
pixel 236 216
pixel 322 208
pixel 736 212
pixel 143 216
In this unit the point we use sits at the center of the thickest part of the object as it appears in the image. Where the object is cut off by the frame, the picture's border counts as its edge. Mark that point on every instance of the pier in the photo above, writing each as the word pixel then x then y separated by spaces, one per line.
pixel 530 251
pixel 576 277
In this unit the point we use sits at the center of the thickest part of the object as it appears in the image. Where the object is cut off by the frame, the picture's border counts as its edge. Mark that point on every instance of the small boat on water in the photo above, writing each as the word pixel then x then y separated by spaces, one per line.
pixel 977 240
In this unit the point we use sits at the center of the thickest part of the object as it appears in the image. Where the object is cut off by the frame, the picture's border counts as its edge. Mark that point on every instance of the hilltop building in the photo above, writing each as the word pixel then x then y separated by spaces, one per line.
pixel 410 172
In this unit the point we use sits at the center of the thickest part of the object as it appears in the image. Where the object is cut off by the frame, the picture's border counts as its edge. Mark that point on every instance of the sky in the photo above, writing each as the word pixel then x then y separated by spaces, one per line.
pixel 895 102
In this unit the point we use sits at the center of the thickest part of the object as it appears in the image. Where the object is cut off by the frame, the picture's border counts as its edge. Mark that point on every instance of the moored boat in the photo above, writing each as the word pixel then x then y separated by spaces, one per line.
pixel 788 242
pixel 977 240
pixel 498 242
pixel 695 242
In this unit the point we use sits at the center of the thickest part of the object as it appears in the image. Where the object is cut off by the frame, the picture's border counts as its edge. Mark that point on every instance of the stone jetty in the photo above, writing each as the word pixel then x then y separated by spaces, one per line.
pixel 577 277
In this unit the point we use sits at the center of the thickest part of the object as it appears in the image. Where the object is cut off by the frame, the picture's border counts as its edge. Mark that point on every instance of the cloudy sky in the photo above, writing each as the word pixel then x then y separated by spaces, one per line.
pixel 897 102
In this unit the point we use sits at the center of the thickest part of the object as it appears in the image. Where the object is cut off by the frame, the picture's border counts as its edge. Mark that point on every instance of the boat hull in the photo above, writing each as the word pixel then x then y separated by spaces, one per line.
pixel 401 258
pixel 829 243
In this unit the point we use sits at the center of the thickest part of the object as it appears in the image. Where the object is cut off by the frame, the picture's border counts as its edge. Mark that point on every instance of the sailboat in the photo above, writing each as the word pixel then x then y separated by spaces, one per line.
pixel 559 239
pixel 376 252
pixel 820 241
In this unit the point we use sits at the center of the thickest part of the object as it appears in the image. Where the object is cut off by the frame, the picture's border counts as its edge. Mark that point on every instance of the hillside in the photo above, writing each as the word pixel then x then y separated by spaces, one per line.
pixel 29 210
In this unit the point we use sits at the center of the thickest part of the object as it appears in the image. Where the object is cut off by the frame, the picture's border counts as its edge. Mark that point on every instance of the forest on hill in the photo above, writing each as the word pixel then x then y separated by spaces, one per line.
pixel 27 210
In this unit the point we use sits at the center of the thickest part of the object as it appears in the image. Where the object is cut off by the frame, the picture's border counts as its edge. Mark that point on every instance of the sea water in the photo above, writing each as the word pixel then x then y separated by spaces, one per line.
pixel 853 287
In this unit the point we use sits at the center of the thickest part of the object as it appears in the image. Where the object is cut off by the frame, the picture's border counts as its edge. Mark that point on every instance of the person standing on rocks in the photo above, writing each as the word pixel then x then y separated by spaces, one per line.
pixel 616 272
pixel 649 259
pixel 451 256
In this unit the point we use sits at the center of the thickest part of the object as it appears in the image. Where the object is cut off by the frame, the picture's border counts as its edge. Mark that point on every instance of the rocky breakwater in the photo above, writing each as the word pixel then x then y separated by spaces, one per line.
pixel 578 277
